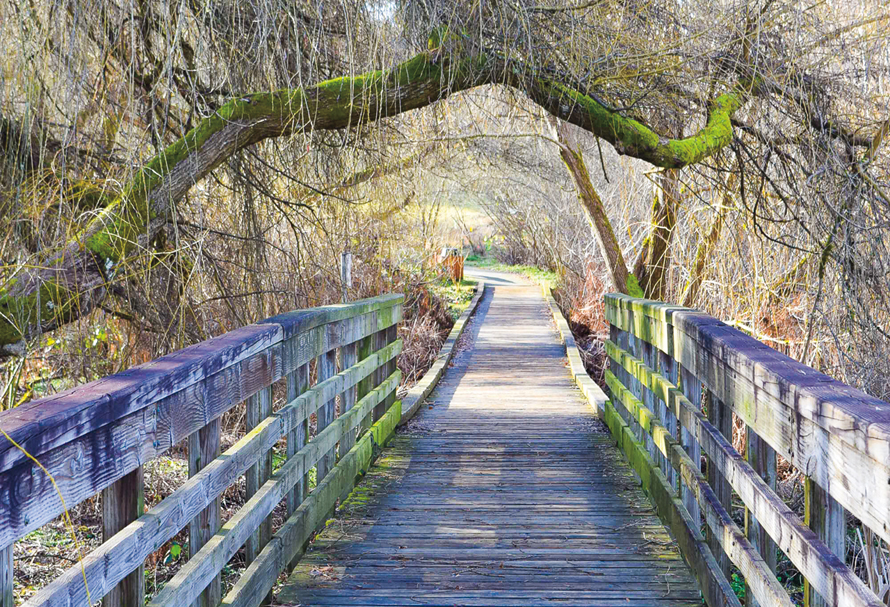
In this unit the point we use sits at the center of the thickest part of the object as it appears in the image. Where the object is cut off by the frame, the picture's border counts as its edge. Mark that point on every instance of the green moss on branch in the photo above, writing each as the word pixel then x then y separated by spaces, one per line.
pixel 634 138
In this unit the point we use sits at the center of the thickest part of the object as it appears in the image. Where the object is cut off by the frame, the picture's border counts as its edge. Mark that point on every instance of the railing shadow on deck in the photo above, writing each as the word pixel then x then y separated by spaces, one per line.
pixel 95 438
pixel 676 379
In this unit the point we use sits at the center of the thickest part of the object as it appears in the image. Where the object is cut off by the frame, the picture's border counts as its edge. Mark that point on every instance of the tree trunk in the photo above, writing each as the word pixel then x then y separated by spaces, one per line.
pixel 654 260
pixel 705 249
pixel 70 283
pixel 592 204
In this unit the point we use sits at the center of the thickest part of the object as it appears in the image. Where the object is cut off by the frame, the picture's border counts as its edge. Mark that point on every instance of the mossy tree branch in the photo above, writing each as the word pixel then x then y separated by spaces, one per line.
pixel 74 281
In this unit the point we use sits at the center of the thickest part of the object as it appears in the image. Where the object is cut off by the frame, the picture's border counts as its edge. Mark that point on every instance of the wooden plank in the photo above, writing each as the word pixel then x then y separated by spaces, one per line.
pixel 721 418
pixel 259 407
pixel 86 448
pixel 49 422
pixel 762 459
pixel 153 529
pixel 190 580
pixel 289 541
pixel 668 369
pixel 297 384
pixel 349 356
pixel 724 537
pixel 379 340
pixel 204 447
pixel 692 390
pixel 123 503
pixel 827 518
pixel 818 564
pixel 327 367
pixel 366 348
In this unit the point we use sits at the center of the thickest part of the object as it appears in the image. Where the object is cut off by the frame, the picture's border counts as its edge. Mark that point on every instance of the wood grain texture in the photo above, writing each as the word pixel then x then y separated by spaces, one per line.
pixel 204 446
pixel 836 435
pixel 259 408
pixel 824 569
pixel 503 490
pixel 122 503
pixel 113 560
pixel 89 437
pixel 762 459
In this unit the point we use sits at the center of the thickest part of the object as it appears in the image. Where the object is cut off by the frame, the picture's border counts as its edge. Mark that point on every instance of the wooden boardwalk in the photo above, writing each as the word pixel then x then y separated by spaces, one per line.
pixel 503 491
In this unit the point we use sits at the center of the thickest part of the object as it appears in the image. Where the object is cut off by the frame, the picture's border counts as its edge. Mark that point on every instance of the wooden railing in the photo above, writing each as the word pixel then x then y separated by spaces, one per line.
pixel 677 378
pixel 96 438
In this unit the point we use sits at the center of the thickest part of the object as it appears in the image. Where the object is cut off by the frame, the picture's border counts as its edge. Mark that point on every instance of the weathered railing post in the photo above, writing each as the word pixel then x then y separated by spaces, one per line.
pixel 348 356
pixel 203 448
pixel 297 384
pixel 762 459
pixel 691 388
pixel 327 368
pixel 259 407
pixel 827 518
pixel 366 348
pixel 721 417
pixel 122 503
pixel 7 598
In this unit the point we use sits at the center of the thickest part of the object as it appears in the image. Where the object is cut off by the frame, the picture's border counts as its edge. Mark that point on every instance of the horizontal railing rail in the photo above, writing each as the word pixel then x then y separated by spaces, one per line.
pixel 676 379
pixel 96 438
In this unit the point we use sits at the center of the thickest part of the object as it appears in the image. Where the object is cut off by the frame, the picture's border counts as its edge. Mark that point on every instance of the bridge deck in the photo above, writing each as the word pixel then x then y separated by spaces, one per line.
pixel 504 492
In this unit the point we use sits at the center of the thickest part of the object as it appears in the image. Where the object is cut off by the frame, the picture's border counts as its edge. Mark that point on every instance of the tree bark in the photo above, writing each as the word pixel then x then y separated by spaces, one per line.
pixel 592 204
pixel 705 249
pixel 66 285
pixel 654 260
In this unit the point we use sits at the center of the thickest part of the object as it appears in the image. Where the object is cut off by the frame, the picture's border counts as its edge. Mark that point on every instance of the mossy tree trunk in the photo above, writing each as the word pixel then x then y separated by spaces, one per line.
pixel 595 211
pixel 705 250
pixel 74 280
pixel 653 263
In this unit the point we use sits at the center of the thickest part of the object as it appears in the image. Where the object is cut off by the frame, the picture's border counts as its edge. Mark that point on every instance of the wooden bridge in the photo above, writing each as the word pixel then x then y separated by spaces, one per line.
pixel 516 481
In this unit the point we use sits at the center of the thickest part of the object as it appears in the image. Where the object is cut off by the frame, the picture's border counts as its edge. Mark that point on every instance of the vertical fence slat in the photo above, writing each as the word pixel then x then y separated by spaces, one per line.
pixel 204 447
pixel 366 349
pixel 348 355
pixel 6 572
pixel 392 334
pixel 297 383
pixel 668 369
pixel 380 374
pixel 721 417
pixel 827 518
pixel 691 389
pixel 122 503
pixel 259 407
pixel 327 368
pixel 762 459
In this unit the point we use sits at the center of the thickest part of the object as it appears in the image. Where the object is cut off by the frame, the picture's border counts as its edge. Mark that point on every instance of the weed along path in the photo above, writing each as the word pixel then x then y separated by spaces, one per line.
pixel 503 490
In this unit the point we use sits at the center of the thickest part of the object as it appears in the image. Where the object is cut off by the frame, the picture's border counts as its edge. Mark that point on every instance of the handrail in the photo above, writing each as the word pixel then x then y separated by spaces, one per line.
pixel 676 379
pixel 95 438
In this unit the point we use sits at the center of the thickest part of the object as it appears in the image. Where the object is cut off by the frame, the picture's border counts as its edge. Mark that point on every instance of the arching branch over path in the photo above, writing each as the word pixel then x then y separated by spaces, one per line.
pixel 73 281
